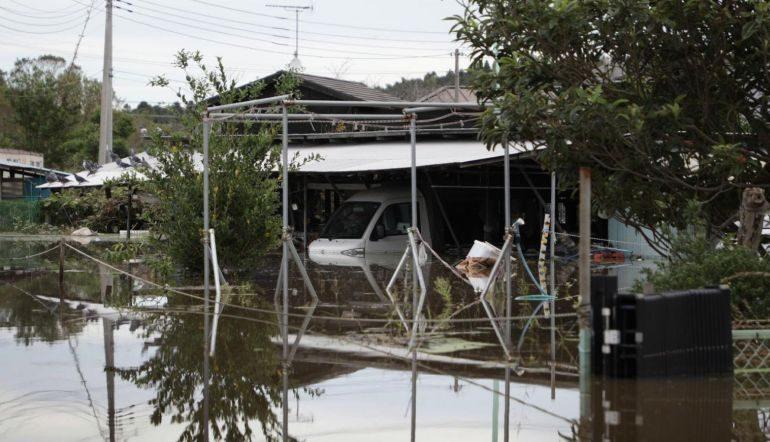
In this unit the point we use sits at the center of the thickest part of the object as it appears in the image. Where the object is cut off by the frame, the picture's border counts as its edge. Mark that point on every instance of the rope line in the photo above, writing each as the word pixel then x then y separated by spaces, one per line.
pixel 32 256
pixel 403 359
pixel 296 315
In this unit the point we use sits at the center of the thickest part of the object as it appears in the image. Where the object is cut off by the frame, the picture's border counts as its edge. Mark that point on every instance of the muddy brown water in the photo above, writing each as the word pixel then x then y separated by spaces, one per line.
pixel 121 360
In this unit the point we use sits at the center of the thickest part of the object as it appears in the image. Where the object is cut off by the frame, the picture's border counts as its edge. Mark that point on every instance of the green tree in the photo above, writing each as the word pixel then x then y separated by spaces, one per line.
pixel 82 141
pixel 666 101
pixel 9 130
pixel 244 199
pixel 49 98
pixel 416 88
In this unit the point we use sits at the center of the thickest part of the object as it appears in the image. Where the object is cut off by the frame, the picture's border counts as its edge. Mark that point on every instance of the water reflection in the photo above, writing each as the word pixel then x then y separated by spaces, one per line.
pixel 98 368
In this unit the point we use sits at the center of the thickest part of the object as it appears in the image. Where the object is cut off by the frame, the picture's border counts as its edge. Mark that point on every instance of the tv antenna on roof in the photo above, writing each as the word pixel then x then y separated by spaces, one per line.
pixel 295 63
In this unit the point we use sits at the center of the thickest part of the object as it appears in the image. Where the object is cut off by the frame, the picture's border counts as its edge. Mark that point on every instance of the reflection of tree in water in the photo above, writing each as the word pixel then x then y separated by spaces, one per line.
pixel 34 319
pixel 245 376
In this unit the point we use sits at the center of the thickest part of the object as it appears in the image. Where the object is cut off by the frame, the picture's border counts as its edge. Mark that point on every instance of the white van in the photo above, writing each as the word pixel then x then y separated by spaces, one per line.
pixel 370 222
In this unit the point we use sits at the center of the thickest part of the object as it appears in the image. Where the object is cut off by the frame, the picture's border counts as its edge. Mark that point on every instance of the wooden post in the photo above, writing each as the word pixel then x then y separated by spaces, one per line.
pixel 61 270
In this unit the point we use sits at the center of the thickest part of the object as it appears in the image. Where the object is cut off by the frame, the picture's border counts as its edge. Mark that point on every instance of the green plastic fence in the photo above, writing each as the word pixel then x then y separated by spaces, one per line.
pixel 16 211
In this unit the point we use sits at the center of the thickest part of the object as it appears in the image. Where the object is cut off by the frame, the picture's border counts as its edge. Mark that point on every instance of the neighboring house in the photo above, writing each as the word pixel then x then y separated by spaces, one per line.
pixel 316 87
pixel 447 94
pixel 460 178
pixel 24 157
pixel 19 180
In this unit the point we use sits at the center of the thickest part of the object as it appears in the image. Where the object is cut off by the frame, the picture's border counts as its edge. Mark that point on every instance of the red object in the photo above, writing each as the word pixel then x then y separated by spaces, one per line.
pixel 609 257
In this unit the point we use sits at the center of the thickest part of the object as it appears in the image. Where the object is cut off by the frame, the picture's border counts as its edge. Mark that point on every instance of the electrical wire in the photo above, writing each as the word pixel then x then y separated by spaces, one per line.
pixel 78 25
pixel 304 32
pixel 276 43
pixel 242 11
pixel 340 25
pixel 263 50
pixel 55 12
pixel 77 13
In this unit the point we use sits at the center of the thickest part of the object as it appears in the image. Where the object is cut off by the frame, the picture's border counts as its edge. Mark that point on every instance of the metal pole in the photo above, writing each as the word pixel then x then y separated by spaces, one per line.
pixel 61 270
pixel 584 311
pixel 304 214
pixel 285 264
pixel 256 102
pixel 405 105
pixel 128 214
pixel 508 288
pixel 415 255
pixel 105 117
pixel 413 139
pixel 206 134
pixel 552 282
pixel 457 75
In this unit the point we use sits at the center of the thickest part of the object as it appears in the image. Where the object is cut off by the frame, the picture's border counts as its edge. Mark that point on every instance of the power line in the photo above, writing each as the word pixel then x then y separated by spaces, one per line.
pixel 263 50
pixel 44 25
pixel 242 69
pixel 337 43
pixel 52 13
pixel 410 31
pixel 249 37
pixel 242 11
pixel 368 28
pixel 38 17
pixel 82 33
pixel 40 32
pixel 345 36
pixel 251 31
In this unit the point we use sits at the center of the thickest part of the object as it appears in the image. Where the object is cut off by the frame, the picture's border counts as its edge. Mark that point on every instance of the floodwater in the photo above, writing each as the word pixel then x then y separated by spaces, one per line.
pixel 120 359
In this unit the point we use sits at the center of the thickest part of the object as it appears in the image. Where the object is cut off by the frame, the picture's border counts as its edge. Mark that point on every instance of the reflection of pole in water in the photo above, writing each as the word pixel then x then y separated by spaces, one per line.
pixel 106 282
pixel 285 401
pixel 109 370
pixel 495 408
pixel 414 395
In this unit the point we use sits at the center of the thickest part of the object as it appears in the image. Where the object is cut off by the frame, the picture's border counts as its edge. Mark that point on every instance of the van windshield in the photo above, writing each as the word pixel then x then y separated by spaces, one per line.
pixel 350 220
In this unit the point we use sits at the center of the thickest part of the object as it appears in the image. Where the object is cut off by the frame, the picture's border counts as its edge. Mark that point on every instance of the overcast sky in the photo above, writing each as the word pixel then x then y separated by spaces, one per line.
pixel 374 41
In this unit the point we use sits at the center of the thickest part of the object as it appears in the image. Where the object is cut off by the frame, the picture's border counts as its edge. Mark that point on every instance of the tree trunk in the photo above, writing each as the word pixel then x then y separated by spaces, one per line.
pixel 751 216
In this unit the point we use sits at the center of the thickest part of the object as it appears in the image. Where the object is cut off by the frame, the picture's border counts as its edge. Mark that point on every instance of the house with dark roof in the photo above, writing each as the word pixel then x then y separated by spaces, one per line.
pixel 316 87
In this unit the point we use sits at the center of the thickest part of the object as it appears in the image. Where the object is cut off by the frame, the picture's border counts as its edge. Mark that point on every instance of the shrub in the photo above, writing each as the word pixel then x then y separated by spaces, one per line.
pixel 91 208
pixel 244 198
pixel 696 263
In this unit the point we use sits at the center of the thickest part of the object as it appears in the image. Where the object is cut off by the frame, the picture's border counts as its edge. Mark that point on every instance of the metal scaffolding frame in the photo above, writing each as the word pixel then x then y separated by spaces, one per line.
pixel 264 110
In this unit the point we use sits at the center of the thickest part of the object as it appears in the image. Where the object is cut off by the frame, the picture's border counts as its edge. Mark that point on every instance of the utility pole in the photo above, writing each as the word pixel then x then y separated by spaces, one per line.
pixel 295 63
pixel 105 122
pixel 457 75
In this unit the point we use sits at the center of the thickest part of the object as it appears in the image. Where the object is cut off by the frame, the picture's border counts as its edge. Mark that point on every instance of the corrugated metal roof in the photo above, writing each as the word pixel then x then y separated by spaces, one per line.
pixel 106 172
pixel 20 151
pixel 32 170
pixel 397 155
pixel 364 157
pixel 352 89
pixel 446 94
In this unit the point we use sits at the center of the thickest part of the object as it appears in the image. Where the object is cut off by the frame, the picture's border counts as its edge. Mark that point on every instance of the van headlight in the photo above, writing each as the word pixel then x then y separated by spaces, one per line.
pixel 353 252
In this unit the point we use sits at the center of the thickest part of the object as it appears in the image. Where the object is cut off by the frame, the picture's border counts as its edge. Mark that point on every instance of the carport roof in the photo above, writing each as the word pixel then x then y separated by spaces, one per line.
pixel 392 155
